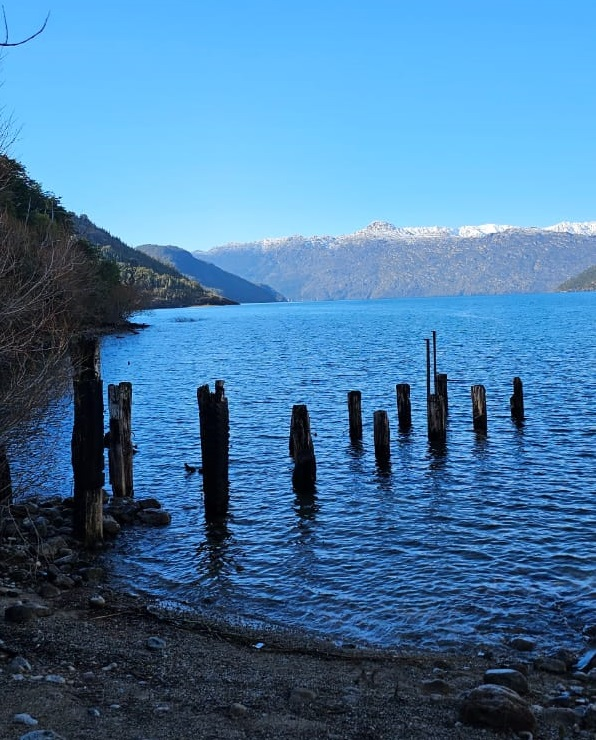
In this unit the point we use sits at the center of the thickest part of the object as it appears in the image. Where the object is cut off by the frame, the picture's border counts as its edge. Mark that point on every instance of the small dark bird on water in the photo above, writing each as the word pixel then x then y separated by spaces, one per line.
pixel 192 468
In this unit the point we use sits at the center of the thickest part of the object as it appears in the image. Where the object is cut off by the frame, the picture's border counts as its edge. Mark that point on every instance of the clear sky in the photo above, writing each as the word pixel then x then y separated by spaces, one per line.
pixel 199 122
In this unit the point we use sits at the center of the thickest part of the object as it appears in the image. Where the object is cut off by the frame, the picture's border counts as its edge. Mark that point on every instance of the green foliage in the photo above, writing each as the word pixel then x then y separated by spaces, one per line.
pixel 158 285
pixel 25 200
pixel 586 280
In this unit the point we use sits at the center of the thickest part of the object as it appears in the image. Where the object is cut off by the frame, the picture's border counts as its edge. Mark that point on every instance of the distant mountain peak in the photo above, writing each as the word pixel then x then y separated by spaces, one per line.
pixel 379 227
pixel 585 228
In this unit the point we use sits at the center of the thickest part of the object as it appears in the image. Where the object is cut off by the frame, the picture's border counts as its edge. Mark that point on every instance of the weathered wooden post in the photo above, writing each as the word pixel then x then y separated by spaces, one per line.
pixel 87 442
pixel 517 400
pixel 355 415
pixel 441 390
pixel 381 436
pixel 436 418
pixel 404 407
pixel 302 449
pixel 5 479
pixel 120 450
pixel 479 409
pixel 214 424
pixel 435 406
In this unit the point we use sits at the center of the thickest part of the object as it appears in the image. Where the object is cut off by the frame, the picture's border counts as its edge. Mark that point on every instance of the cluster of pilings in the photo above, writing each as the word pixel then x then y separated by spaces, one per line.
pixel 89 441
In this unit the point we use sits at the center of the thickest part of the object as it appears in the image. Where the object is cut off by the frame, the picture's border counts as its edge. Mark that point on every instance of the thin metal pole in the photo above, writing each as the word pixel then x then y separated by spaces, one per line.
pixel 427 369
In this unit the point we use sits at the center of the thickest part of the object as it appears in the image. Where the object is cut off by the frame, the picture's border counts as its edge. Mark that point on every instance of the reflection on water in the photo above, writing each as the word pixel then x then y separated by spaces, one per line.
pixel 471 539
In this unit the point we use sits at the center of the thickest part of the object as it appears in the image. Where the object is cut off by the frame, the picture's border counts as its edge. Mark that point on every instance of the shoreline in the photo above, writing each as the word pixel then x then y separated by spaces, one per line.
pixel 84 659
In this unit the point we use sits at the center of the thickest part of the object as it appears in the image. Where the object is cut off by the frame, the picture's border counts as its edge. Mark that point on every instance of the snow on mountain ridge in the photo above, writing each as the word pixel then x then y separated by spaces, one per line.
pixel 390 231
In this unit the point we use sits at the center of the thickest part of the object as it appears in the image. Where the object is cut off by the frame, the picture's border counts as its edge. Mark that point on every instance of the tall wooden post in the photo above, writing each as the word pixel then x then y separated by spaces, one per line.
pixel 381 436
pixel 120 453
pixel 87 442
pixel 404 407
pixel 214 423
pixel 517 400
pixel 5 479
pixel 302 449
pixel 479 416
pixel 441 390
pixel 355 415
pixel 435 407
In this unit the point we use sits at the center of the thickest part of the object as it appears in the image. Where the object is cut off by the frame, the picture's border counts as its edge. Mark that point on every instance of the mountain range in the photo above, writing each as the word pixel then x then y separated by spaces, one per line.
pixel 384 261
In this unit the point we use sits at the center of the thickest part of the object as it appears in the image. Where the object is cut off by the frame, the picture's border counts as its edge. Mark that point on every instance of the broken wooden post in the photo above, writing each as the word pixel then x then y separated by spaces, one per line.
pixel 355 415
pixel 381 436
pixel 404 407
pixel 479 409
pixel 120 449
pixel 214 424
pixel 435 406
pixel 516 401
pixel 87 442
pixel 441 390
pixel 302 449
pixel 436 418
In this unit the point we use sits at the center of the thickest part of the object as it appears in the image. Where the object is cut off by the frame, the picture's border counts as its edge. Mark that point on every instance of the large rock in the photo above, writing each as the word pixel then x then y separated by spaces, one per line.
pixel 497 707
pixel 508 677
pixel 154 517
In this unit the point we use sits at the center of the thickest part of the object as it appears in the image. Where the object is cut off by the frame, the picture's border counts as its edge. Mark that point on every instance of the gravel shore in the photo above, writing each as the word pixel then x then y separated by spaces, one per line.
pixel 86 669
pixel 79 659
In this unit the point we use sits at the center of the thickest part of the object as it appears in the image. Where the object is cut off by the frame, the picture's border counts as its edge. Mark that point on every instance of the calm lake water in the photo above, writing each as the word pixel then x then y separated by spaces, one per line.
pixel 474 542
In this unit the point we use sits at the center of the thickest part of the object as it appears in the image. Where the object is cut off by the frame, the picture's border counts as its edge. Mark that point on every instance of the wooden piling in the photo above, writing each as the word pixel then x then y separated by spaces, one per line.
pixel 441 390
pixel 516 401
pixel 381 436
pixel 479 416
pixel 436 418
pixel 214 424
pixel 120 453
pixel 5 478
pixel 87 442
pixel 304 475
pixel 355 415
pixel 404 407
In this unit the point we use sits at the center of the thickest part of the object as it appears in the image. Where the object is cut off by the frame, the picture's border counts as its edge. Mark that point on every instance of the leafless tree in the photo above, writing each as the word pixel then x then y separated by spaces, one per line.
pixel 7 43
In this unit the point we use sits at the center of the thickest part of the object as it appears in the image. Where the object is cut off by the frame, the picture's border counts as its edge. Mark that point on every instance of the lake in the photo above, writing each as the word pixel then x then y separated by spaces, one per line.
pixel 475 541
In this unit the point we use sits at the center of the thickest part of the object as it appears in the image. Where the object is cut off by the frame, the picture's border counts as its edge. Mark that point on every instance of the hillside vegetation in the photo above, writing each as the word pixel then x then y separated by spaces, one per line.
pixel 225 283
pixel 157 284
pixel 586 280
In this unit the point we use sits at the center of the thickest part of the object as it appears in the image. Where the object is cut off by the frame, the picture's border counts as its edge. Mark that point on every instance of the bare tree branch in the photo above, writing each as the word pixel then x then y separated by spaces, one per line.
pixel 7 43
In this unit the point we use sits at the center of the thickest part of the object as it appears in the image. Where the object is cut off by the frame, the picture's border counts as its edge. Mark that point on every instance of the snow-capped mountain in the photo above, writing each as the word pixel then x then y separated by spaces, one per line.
pixel 383 260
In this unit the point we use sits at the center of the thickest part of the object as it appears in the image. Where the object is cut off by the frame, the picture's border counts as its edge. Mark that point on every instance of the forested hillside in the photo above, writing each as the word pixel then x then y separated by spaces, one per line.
pixel 53 286
pixel 158 285
pixel 586 280
pixel 224 282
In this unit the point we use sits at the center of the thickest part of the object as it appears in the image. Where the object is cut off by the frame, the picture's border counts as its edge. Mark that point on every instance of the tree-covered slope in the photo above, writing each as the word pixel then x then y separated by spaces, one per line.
pixel 159 284
pixel 586 280
pixel 226 283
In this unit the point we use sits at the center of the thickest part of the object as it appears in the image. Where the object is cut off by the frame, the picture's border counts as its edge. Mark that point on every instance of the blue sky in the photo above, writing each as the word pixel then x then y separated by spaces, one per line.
pixel 196 123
